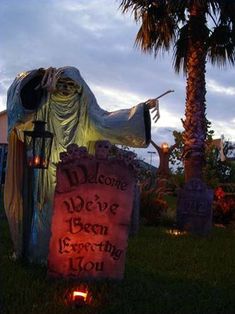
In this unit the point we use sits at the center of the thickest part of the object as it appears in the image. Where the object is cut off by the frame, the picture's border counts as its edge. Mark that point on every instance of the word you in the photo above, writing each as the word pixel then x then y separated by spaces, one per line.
pixel 77 264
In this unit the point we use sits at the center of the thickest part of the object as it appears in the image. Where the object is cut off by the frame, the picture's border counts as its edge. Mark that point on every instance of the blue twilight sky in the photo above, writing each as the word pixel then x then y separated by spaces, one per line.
pixel 95 37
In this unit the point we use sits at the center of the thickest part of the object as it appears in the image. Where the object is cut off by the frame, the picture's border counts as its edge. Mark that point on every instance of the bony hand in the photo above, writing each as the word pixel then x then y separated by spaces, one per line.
pixel 50 79
pixel 154 105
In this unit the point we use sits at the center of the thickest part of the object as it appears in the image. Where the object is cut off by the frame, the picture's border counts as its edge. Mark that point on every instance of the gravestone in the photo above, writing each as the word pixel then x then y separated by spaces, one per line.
pixel 92 210
pixel 194 207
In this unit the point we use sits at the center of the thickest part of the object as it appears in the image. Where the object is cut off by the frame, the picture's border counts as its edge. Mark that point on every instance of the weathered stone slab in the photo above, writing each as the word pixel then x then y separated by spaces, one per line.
pixel 194 207
pixel 92 211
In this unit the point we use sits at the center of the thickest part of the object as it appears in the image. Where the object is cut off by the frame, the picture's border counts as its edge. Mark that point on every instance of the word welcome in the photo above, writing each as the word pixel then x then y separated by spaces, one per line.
pixel 78 174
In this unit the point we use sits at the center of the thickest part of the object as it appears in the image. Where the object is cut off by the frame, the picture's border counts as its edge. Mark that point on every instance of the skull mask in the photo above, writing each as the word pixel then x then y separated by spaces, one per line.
pixel 102 149
pixel 67 87
pixel 129 158
pixel 64 157
pixel 72 149
pixel 120 155
pixel 82 152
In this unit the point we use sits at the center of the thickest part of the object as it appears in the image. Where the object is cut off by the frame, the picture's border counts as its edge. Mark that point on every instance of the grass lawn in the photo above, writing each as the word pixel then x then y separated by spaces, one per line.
pixel 164 274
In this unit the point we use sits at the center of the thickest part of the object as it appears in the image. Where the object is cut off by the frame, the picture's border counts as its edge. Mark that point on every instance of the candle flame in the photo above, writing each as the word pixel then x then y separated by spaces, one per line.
pixel 79 294
pixel 37 160
pixel 176 232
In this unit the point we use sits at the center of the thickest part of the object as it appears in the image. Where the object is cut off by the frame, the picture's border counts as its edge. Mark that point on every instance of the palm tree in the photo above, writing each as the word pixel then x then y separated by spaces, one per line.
pixel 197 30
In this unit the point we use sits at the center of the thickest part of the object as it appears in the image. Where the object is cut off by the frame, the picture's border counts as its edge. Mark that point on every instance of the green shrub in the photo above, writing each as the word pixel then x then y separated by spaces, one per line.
pixel 152 206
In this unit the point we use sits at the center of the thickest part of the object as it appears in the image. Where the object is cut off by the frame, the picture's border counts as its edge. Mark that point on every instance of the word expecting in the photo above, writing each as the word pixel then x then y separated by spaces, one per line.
pixel 79 175
pixel 67 245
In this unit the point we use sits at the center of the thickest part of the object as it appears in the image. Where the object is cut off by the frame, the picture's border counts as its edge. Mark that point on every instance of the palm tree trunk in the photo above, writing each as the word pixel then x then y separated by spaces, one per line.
pixel 195 124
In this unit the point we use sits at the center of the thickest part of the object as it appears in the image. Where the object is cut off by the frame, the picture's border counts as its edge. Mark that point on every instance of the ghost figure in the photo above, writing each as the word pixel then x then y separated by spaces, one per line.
pixel 102 149
pixel 62 99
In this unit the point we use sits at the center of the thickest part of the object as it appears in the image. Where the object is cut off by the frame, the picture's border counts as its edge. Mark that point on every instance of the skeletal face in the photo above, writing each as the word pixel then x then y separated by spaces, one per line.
pixel 82 152
pixel 102 149
pixel 64 157
pixel 120 155
pixel 129 158
pixel 67 87
pixel 136 167
pixel 72 149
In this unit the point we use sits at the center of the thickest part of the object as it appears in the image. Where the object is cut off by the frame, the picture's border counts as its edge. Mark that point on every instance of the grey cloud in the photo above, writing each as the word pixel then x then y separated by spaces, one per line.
pixel 224 76
pixel 100 42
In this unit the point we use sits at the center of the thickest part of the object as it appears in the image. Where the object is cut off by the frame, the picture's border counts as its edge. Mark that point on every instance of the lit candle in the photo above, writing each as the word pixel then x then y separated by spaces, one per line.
pixel 79 294
pixel 37 160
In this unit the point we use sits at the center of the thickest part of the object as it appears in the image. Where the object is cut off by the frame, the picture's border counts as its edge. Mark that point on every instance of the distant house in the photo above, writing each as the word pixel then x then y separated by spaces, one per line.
pixel 3 127
pixel 230 149
pixel 3 144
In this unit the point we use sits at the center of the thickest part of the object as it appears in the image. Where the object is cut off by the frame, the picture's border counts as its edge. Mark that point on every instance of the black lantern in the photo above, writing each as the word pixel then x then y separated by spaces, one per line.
pixel 38 145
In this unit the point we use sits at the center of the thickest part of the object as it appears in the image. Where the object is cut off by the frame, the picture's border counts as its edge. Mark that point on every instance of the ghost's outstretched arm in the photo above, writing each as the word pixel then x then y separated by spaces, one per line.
pixel 131 127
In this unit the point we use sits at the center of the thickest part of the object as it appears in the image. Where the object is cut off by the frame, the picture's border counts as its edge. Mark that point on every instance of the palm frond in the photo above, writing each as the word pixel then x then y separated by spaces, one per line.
pixel 233 32
pixel 139 6
pixel 221 55
pixel 157 30
pixel 155 35
pixel 181 49
pixel 163 24
pixel 227 11
pixel 221 46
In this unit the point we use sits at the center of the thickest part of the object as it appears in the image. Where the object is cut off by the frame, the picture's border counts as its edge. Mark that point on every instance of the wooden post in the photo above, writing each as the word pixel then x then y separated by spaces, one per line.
pixel 28 205
pixel 163 170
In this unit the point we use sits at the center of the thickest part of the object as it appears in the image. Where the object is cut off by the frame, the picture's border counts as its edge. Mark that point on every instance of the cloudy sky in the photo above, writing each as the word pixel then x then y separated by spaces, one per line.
pixel 95 37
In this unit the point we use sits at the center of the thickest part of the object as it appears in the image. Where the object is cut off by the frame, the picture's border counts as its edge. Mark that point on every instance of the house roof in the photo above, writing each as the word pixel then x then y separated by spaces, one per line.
pixel 3 112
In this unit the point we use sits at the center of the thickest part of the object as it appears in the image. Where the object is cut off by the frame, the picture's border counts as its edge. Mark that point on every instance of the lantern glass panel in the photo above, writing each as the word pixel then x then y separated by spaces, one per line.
pixel 38 146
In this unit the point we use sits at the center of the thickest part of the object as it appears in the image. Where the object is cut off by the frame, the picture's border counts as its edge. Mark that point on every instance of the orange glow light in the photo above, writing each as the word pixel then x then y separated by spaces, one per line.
pixel 165 147
pixel 79 294
pixel 176 232
pixel 36 160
